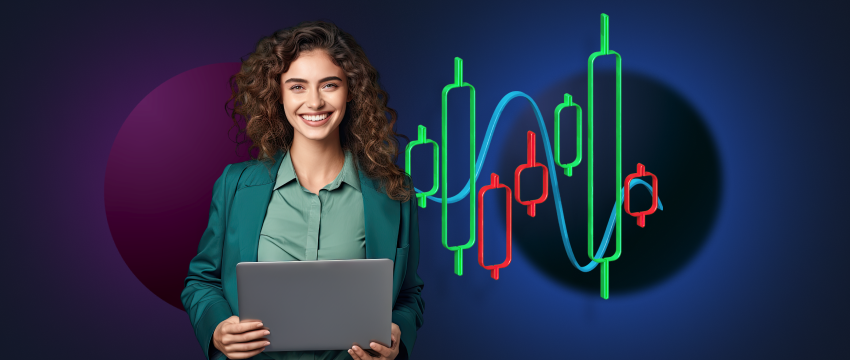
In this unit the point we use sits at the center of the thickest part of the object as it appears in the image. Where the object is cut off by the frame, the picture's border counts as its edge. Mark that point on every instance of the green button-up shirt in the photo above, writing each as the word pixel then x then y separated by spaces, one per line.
pixel 301 225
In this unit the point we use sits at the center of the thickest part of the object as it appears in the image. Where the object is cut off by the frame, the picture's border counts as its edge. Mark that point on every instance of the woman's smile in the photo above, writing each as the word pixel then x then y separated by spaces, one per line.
pixel 316 119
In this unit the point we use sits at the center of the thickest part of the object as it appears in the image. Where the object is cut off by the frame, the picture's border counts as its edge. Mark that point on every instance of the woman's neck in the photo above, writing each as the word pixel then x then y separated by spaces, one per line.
pixel 316 162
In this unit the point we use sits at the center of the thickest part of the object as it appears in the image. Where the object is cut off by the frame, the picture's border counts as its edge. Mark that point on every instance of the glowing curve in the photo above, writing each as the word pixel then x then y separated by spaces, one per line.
pixel 482 154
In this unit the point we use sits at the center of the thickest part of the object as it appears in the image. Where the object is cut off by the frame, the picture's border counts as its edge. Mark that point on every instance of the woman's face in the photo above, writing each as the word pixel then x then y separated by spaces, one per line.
pixel 314 92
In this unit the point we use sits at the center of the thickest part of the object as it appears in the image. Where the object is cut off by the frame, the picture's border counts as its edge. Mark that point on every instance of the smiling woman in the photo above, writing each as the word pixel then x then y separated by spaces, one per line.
pixel 268 90
pixel 319 120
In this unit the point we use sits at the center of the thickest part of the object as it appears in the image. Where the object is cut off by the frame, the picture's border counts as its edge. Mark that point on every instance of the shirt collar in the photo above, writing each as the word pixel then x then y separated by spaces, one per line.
pixel 348 175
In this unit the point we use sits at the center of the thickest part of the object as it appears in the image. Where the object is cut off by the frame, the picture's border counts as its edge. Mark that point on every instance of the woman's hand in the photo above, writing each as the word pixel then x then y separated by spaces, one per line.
pixel 240 340
pixel 381 352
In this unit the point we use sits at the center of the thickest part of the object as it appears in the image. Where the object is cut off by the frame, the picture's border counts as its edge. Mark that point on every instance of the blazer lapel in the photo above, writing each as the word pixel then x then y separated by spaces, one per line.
pixel 381 213
pixel 251 206
pixel 382 220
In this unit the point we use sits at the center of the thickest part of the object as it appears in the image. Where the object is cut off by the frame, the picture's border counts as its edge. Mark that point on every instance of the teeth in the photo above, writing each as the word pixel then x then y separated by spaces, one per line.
pixel 315 117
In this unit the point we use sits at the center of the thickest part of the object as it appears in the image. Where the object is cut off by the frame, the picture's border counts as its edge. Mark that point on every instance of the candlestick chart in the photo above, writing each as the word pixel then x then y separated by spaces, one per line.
pixel 553 161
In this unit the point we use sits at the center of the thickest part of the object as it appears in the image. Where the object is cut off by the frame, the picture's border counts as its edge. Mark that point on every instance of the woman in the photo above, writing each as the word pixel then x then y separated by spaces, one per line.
pixel 324 186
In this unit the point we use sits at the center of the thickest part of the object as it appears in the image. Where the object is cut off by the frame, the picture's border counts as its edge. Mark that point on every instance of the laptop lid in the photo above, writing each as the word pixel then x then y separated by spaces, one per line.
pixel 318 304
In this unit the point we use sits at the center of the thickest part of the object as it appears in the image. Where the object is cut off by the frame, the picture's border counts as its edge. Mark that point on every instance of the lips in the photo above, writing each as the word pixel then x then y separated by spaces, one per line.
pixel 315 119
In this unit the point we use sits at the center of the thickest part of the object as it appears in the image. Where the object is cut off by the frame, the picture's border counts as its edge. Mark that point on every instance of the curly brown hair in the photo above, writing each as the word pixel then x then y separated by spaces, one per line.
pixel 365 129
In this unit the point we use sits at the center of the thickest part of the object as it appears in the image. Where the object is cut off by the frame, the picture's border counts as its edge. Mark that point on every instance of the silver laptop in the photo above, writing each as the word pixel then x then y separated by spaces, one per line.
pixel 318 304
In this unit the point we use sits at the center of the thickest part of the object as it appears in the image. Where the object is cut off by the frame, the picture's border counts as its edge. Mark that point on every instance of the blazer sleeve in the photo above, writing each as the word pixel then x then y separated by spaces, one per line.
pixel 202 294
pixel 409 306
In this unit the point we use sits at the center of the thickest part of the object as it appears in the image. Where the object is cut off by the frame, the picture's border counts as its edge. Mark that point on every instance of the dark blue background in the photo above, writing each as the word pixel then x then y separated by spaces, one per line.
pixel 767 79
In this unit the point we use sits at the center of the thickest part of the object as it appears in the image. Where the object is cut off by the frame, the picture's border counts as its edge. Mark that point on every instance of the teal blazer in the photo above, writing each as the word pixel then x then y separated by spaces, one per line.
pixel 241 196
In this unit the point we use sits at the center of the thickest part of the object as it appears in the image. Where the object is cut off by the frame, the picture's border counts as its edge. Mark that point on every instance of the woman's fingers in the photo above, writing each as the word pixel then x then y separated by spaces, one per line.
pixel 243 355
pixel 246 346
pixel 228 339
pixel 238 328
pixel 395 333
pixel 381 349
pixel 244 340
pixel 247 336
pixel 245 350
pixel 354 355
pixel 359 353
pixel 243 332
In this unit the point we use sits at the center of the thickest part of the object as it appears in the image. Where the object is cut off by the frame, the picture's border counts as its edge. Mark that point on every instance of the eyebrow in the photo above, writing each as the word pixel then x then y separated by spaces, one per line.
pixel 329 78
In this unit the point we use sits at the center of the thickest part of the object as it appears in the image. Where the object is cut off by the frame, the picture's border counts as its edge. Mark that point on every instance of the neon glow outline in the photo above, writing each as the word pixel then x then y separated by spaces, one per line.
pixel 641 215
pixel 619 171
pixel 444 209
pixel 477 165
pixel 494 184
pixel 568 102
pixel 531 162
pixel 422 139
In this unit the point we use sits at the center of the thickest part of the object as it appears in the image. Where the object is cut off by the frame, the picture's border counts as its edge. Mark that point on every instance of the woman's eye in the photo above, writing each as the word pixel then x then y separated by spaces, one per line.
pixel 299 87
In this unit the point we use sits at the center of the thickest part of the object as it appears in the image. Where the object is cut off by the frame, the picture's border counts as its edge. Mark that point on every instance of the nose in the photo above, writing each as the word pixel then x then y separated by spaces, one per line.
pixel 315 101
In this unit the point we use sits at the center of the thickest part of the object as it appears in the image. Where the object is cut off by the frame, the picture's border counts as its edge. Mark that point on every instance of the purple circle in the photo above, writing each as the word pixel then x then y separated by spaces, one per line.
pixel 160 174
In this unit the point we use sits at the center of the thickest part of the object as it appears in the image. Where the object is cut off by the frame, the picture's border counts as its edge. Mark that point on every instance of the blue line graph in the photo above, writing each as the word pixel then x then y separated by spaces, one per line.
pixel 482 154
